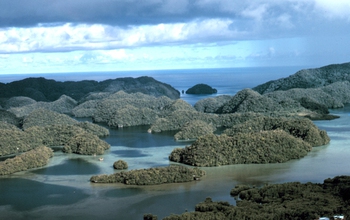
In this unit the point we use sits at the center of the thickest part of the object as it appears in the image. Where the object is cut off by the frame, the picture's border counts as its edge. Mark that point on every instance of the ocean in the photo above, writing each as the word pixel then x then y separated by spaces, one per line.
pixel 62 189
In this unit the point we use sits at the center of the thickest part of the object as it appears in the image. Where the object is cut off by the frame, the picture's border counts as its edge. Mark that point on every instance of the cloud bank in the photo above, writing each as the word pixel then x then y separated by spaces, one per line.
pixel 83 27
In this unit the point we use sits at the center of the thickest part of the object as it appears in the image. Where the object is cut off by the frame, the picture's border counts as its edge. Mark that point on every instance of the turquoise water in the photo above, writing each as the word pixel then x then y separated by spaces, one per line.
pixel 62 189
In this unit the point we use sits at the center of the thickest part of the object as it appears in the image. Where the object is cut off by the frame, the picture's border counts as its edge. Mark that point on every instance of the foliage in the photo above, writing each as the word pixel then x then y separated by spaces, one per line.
pixel 275 146
pixel 34 158
pixel 201 89
pixel 120 165
pixel 194 129
pixel 298 127
pixel 151 176
pixel 279 201
pixel 86 144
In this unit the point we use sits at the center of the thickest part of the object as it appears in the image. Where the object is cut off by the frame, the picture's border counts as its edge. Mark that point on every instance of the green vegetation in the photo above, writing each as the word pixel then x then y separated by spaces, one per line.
pixel 201 89
pixel 279 201
pixel 151 176
pixel 34 158
pixel 298 127
pixel 86 144
pixel 120 165
pixel 194 129
pixel 275 146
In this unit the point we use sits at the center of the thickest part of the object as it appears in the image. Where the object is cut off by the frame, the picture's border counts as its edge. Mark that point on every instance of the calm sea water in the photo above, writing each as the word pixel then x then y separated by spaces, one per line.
pixel 62 189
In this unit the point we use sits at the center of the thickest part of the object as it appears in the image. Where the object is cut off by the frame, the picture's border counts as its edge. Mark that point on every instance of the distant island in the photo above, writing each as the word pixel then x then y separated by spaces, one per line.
pixel 201 89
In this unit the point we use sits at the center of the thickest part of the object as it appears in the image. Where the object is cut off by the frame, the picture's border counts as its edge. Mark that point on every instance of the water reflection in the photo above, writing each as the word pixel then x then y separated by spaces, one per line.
pixel 124 192
pixel 129 153
pixel 74 166
pixel 24 195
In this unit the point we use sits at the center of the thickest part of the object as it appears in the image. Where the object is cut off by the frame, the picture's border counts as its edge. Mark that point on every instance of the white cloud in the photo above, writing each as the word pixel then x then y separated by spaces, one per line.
pixel 256 12
pixel 334 8
pixel 91 37
pixel 284 21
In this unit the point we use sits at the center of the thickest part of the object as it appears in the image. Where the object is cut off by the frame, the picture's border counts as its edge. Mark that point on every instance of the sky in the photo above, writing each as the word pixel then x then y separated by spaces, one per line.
pixel 41 36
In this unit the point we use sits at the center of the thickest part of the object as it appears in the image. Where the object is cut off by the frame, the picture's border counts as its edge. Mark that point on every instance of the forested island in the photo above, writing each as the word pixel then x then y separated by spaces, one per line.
pixel 271 123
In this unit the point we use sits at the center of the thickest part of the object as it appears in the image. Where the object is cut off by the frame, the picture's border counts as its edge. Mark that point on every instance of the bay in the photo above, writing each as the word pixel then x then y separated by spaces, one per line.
pixel 62 189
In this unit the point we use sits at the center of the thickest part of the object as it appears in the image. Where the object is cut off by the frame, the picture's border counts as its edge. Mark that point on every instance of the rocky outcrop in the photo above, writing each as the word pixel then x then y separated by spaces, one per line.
pixel 275 146
pixel 63 105
pixel 152 176
pixel 302 128
pixel 41 89
pixel 34 158
pixel 201 89
pixel 279 201
pixel 194 129
pixel 212 104
pixel 120 165
pixel 308 78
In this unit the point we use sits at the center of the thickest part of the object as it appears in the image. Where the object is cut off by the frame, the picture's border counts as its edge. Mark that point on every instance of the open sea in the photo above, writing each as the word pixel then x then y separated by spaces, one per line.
pixel 62 190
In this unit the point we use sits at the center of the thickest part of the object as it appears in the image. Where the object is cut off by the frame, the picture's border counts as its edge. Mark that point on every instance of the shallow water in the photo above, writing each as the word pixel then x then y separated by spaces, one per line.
pixel 62 189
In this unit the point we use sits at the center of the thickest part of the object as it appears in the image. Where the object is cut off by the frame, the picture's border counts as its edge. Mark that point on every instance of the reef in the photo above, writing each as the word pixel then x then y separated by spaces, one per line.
pixel 151 176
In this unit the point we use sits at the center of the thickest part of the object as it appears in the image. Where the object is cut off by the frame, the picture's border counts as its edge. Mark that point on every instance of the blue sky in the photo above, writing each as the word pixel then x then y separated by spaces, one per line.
pixel 41 36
